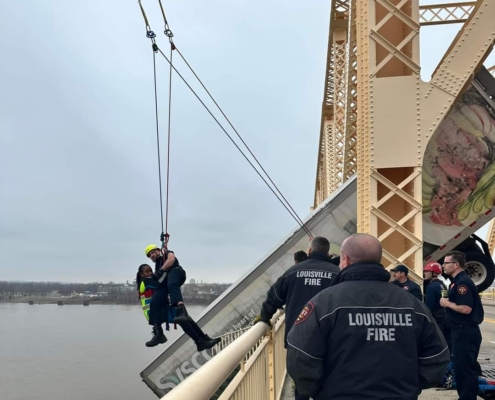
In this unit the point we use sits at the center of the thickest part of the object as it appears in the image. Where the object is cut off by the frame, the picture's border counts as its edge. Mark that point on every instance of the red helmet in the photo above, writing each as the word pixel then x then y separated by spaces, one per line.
pixel 434 267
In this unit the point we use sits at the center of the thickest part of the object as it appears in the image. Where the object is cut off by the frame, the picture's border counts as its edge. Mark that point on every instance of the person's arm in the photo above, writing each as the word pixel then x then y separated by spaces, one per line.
pixel 464 303
pixel 433 353
pixel 461 309
pixel 305 352
pixel 276 298
pixel 169 262
pixel 416 292
pixel 432 298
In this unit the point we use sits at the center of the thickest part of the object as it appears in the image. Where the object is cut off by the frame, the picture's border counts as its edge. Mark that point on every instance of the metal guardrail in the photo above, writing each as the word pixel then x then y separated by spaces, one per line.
pixel 260 353
pixel 488 294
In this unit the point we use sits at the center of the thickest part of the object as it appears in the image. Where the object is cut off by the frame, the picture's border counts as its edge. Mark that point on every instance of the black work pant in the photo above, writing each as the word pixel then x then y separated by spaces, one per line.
pixel 297 396
pixel 466 342
pixel 175 279
pixel 158 307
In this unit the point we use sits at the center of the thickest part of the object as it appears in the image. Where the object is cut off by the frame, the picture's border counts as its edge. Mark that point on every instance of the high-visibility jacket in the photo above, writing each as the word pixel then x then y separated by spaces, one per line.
pixel 145 295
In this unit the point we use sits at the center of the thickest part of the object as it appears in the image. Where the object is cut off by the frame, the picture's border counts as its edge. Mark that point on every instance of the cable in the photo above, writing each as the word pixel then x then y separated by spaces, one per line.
pixel 168 144
pixel 235 144
pixel 158 140
pixel 240 137
pixel 150 34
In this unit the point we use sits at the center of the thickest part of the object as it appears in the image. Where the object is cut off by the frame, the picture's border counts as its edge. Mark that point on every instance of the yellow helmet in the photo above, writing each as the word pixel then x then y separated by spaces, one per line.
pixel 149 248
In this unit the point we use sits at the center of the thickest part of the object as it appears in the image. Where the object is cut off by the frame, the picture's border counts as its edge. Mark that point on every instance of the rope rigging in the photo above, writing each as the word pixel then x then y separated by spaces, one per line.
pixel 151 35
pixel 164 236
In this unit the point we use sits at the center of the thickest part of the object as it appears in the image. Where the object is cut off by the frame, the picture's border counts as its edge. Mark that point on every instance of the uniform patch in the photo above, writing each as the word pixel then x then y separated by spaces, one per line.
pixel 305 313
pixel 462 290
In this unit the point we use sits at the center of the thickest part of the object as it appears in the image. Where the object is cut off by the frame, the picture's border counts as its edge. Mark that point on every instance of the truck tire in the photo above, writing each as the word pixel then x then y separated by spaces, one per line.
pixel 481 269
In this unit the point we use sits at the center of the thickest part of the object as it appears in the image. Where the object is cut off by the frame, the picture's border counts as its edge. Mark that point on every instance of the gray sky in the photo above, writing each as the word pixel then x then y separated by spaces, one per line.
pixel 79 189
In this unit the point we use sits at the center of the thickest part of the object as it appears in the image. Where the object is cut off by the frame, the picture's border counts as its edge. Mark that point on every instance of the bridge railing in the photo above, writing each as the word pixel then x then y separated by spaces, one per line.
pixel 259 353
pixel 488 294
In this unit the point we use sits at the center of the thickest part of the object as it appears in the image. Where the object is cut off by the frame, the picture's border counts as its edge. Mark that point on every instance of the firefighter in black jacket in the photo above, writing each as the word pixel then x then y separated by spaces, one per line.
pixel 401 280
pixel 299 284
pixel 465 312
pixel 433 293
pixel 365 338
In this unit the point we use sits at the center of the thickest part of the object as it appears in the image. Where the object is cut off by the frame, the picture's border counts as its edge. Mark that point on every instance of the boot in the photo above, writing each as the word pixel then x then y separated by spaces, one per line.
pixel 158 337
pixel 182 315
pixel 190 328
pixel 203 335
pixel 206 344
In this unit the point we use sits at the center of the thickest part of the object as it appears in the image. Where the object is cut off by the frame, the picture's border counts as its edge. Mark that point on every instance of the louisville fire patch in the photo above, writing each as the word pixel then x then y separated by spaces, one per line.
pixel 305 313
pixel 462 290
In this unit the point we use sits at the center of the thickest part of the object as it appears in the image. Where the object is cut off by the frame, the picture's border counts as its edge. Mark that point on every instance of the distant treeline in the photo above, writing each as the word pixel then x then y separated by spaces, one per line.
pixel 42 289
pixel 22 291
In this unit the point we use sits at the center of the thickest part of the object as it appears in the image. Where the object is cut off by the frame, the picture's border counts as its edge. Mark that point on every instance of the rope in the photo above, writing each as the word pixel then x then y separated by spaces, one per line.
pixel 167 236
pixel 158 138
pixel 243 142
pixel 151 35
pixel 235 144
pixel 164 237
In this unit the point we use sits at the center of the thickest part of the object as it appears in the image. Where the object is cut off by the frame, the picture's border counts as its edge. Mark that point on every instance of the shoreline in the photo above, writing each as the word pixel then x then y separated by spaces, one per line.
pixel 89 301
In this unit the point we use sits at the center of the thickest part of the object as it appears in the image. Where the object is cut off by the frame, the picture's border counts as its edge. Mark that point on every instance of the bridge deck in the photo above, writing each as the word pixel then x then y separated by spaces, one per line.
pixel 430 394
pixel 287 391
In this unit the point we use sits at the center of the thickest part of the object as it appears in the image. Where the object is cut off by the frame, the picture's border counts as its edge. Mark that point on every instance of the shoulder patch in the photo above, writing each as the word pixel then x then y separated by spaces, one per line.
pixel 462 290
pixel 305 313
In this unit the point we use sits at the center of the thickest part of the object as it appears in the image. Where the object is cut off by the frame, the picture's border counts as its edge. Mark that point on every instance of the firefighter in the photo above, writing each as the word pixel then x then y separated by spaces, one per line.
pixel 402 280
pixel 435 290
pixel 166 262
pixel 299 284
pixel 365 338
pixel 300 256
pixel 465 312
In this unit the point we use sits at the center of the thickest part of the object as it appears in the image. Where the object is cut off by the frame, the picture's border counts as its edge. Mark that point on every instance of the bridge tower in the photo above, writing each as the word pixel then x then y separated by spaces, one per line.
pixel 378 115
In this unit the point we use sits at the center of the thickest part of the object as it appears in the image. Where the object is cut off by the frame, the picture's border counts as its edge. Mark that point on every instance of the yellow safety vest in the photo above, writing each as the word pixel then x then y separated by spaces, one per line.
pixel 145 301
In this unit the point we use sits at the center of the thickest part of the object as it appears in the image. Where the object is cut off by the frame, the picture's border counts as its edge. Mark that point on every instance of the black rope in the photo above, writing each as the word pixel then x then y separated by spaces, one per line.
pixel 151 35
pixel 242 140
pixel 236 145
pixel 155 48
pixel 168 144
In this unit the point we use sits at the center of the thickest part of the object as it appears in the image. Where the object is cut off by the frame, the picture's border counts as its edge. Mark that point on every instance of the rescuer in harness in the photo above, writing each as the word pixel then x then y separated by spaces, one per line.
pixel 435 290
pixel 365 338
pixel 166 263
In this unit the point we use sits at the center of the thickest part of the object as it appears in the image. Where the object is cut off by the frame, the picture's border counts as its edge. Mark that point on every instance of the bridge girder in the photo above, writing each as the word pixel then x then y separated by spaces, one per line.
pixel 376 43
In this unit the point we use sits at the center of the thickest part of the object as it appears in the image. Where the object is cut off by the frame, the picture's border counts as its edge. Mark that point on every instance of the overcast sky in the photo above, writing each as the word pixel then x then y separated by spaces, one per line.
pixel 79 185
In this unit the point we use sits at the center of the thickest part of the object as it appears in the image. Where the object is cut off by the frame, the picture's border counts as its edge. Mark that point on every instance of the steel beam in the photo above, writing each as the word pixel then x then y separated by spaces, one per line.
pixel 441 14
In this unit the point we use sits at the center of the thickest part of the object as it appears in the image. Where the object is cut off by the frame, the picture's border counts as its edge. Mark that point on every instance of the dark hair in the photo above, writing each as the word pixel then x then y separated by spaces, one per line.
pixel 320 244
pixel 138 275
pixel 300 256
pixel 457 256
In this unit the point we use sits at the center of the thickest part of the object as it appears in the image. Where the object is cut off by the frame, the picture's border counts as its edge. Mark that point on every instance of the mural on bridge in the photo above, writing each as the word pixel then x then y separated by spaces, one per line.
pixel 459 169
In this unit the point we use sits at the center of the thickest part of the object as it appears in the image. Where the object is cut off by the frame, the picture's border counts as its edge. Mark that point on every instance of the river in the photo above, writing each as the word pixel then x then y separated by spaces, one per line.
pixel 50 352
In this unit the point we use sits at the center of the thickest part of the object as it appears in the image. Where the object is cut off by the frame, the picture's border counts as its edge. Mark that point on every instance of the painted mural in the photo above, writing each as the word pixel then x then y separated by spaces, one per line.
pixel 459 169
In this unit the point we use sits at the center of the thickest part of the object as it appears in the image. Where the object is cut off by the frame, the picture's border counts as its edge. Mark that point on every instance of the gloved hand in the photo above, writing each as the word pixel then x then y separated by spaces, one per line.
pixel 260 318
pixel 158 274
